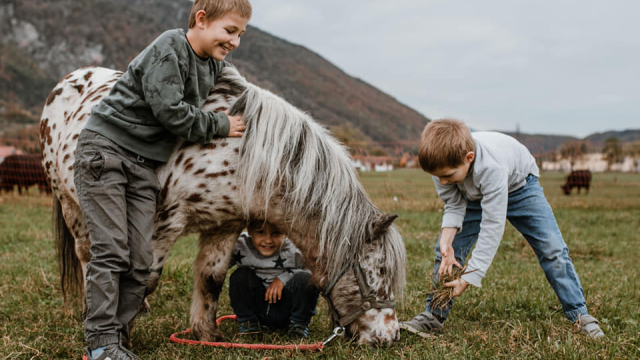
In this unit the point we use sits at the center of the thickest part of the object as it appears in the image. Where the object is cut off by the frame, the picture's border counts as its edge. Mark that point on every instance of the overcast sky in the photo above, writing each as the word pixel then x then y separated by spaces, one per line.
pixel 554 67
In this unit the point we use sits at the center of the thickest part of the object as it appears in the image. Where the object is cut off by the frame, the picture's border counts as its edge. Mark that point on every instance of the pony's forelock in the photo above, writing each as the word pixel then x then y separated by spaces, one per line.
pixel 287 155
pixel 395 260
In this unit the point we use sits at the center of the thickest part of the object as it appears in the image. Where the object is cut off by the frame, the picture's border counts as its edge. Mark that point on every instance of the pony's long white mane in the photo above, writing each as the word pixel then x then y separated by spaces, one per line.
pixel 288 156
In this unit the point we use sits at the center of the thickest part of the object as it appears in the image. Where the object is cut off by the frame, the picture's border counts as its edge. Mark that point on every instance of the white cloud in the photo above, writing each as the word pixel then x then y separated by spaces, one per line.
pixel 564 67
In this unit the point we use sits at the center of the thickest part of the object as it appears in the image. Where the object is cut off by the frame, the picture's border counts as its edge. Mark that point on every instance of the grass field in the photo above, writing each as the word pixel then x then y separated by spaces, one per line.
pixel 514 315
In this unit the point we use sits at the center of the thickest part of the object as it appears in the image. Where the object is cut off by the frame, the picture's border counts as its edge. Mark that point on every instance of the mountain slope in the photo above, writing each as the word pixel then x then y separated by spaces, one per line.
pixel 541 144
pixel 625 137
pixel 315 85
pixel 44 40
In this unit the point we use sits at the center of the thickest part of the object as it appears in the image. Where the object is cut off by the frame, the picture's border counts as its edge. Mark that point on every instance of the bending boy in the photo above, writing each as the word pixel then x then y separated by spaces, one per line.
pixel 486 178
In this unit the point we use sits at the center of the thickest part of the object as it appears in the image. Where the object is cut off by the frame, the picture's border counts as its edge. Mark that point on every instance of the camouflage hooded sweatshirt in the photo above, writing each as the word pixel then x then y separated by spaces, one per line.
pixel 158 99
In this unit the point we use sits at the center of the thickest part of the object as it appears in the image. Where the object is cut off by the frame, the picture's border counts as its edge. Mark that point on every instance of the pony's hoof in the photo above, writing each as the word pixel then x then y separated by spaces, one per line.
pixel 144 307
pixel 209 336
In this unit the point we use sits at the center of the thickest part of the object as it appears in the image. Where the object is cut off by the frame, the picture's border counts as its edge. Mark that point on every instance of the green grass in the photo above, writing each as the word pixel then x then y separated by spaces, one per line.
pixel 514 315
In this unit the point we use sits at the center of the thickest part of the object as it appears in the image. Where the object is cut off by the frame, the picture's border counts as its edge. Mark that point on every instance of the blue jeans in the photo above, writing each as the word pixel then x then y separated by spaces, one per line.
pixel 529 212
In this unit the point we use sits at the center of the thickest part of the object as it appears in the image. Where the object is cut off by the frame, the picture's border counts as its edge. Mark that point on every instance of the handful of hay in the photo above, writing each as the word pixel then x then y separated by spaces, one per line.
pixel 441 295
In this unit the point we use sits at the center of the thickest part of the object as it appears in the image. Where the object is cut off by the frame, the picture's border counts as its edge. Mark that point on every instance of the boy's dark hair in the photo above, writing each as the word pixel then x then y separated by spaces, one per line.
pixel 216 9
pixel 257 224
pixel 444 143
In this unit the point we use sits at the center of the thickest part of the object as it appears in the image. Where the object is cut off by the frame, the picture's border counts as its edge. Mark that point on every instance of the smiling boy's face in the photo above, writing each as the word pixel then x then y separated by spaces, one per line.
pixel 267 239
pixel 455 175
pixel 218 37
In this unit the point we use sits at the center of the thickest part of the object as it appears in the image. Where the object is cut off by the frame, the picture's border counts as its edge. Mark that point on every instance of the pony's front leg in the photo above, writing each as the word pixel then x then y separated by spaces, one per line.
pixel 210 267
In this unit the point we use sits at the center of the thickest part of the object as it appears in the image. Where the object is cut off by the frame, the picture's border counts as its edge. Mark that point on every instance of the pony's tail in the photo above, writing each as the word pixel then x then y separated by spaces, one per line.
pixel 68 263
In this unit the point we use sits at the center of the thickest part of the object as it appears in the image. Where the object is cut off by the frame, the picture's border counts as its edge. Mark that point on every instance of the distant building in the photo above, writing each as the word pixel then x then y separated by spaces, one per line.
pixel 594 162
pixel 372 163
pixel 8 150
pixel 629 164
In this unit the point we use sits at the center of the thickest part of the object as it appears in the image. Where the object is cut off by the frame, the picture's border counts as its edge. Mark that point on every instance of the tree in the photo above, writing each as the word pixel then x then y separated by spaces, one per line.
pixel 632 149
pixel 356 141
pixel 573 150
pixel 378 151
pixel 612 151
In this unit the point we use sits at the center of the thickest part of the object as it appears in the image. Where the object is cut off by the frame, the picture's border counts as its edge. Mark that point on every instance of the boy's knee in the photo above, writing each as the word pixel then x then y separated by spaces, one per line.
pixel 242 275
pixel 139 277
pixel 112 262
pixel 302 277
pixel 301 281
pixel 142 258
pixel 555 252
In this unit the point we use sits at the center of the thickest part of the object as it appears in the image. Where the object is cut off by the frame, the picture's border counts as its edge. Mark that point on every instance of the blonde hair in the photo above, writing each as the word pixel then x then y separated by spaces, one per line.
pixel 216 9
pixel 444 143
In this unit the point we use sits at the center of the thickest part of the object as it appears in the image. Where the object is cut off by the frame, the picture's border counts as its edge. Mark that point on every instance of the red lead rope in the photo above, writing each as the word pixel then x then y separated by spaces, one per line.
pixel 174 338
pixel 302 347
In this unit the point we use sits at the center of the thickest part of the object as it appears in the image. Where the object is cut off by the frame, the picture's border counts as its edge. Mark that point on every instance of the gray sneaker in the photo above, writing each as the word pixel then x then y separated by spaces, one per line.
pixel 112 352
pixel 588 325
pixel 425 322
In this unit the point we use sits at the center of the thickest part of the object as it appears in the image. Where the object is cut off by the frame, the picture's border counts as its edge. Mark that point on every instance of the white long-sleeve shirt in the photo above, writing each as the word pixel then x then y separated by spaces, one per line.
pixel 501 166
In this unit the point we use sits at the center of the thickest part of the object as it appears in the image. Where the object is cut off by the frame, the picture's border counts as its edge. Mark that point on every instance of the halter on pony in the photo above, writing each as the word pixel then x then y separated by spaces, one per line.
pixel 369 300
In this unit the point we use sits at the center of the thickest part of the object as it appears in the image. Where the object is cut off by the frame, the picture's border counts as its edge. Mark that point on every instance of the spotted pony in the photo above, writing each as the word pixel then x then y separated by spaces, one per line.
pixel 286 169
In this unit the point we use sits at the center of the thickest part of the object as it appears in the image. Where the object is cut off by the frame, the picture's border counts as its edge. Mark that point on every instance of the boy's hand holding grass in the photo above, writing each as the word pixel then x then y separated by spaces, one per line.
pixel 449 261
pixel 446 268
pixel 446 250
pixel 450 283
pixel 458 285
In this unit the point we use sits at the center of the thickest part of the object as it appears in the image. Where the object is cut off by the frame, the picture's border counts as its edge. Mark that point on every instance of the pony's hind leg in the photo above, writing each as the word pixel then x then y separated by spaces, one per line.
pixel 211 267
pixel 162 241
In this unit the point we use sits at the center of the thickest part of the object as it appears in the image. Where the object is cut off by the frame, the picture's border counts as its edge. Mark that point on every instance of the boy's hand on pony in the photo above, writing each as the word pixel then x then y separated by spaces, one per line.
pixel 236 125
pixel 274 292
pixel 458 285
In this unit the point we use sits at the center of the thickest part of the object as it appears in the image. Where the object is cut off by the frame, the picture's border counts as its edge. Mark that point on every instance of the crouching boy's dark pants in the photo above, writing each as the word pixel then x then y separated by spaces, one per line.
pixel 297 305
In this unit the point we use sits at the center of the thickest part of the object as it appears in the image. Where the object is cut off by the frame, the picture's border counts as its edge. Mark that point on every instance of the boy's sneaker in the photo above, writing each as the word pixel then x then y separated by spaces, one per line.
pixel 249 327
pixel 298 331
pixel 588 325
pixel 425 322
pixel 112 352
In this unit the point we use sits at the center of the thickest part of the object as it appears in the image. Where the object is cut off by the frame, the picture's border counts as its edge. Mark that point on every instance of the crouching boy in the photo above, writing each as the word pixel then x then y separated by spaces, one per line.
pixel 483 179
pixel 270 286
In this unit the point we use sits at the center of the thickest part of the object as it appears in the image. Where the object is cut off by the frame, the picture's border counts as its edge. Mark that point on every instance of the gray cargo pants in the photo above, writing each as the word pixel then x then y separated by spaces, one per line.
pixel 117 191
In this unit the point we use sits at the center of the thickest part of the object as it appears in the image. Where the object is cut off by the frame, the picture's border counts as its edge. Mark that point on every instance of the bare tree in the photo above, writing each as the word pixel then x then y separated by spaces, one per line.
pixel 612 151
pixel 574 151
pixel 632 149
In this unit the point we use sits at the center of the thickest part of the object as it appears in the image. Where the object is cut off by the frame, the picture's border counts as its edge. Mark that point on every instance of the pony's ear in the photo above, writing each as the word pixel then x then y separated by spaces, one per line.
pixel 381 223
